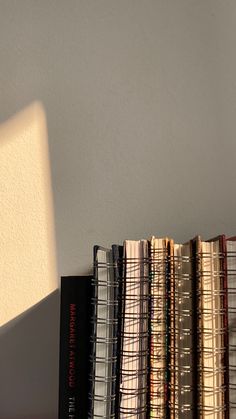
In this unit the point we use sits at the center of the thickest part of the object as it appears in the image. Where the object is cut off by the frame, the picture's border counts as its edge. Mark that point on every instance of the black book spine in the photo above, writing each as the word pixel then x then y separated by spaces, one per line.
pixel 74 347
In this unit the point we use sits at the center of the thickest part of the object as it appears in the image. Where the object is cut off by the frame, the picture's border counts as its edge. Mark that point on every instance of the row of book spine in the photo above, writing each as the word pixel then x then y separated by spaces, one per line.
pixel 152 333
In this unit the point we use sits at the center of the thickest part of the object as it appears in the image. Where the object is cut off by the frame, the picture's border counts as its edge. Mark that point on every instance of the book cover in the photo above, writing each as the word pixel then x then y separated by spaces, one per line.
pixel 104 338
pixel 231 309
pixel 74 347
pixel 195 248
pixel 158 329
pixel 135 339
pixel 183 332
pixel 118 265
pixel 171 410
pixel 209 318
pixel 224 315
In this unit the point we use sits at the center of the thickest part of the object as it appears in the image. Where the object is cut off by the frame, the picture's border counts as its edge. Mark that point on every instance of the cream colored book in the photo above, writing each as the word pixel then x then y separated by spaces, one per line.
pixel 158 263
pixel 27 240
pixel 133 384
pixel 212 393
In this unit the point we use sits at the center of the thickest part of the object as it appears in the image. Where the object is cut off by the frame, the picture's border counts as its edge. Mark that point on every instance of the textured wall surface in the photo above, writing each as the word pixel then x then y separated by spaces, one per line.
pixel 140 99
pixel 27 242
pixel 29 300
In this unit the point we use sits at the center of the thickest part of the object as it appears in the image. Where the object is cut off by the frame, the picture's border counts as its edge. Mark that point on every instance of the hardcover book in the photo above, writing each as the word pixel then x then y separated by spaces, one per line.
pixel 74 347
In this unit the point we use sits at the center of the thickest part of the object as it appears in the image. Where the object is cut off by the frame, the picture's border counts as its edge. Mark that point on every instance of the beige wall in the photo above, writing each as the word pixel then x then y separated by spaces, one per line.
pixel 141 106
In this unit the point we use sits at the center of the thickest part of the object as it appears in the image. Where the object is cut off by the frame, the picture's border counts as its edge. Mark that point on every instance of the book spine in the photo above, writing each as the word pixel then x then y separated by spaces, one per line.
pixel 183 333
pixel 223 359
pixel 158 331
pixel 117 253
pixel 74 347
pixel 231 312
pixel 104 338
pixel 172 331
pixel 194 250
pixel 225 322
pixel 134 359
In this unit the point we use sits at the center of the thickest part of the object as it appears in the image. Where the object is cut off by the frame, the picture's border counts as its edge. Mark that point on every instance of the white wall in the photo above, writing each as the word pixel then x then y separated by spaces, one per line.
pixel 141 105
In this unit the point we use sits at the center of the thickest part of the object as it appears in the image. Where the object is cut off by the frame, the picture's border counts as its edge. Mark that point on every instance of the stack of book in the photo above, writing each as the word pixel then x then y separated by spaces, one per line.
pixel 152 333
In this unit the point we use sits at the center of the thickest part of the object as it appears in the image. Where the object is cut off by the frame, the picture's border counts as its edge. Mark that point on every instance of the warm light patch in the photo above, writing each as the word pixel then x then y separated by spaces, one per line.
pixel 27 243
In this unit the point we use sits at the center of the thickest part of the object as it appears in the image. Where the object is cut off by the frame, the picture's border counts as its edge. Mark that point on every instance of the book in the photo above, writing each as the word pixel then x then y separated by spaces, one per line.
pixel 183 332
pixel 117 258
pixel 75 332
pixel 195 246
pixel 231 277
pixel 171 335
pixel 160 339
pixel 158 329
pixel 104 337
pixel 135 337
pixel 224 319
pixel 211 331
